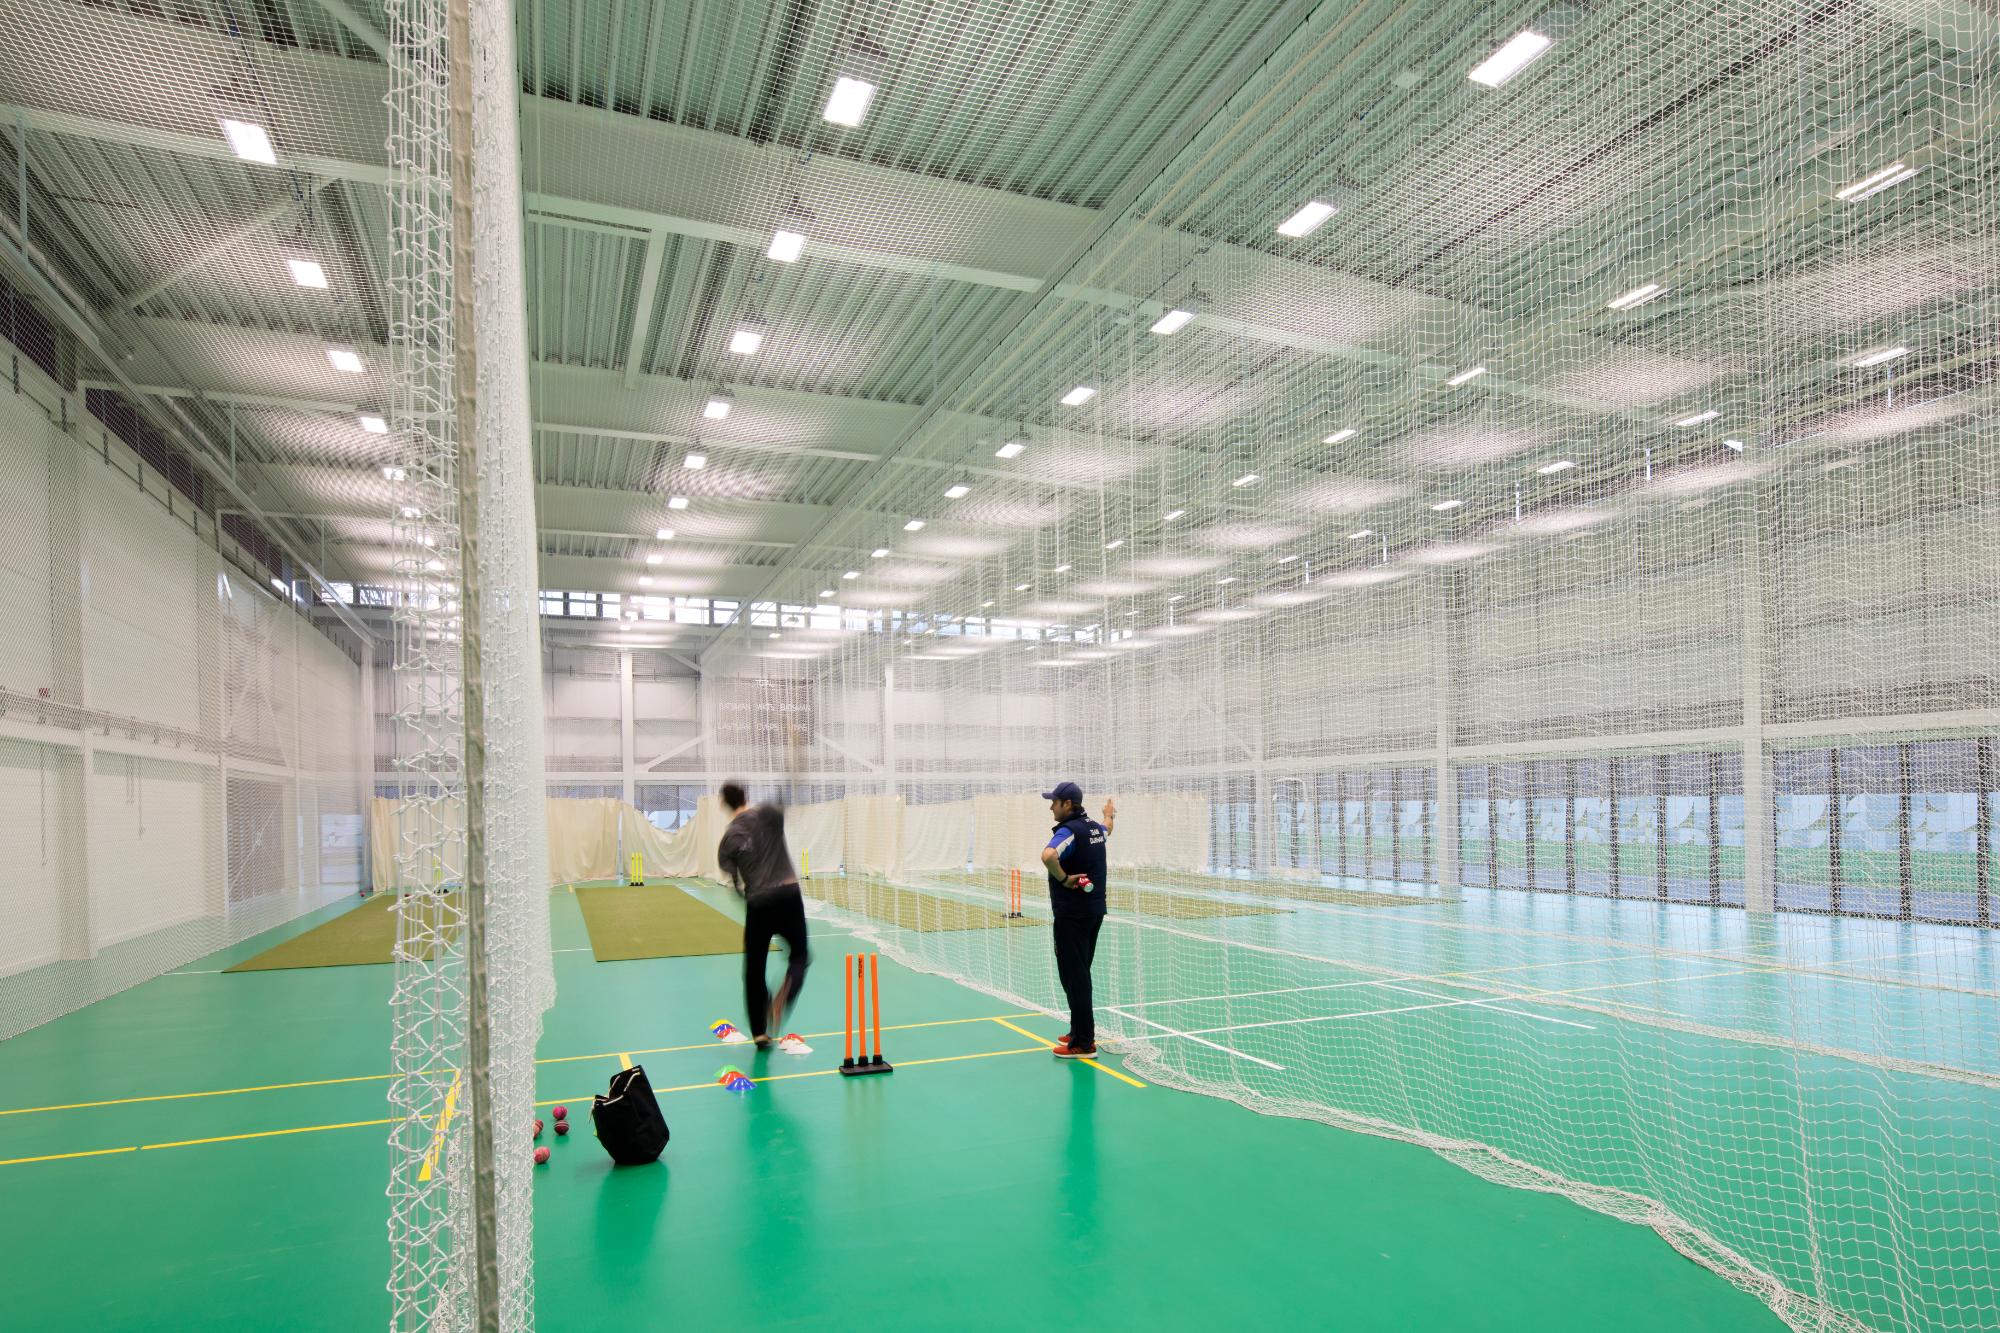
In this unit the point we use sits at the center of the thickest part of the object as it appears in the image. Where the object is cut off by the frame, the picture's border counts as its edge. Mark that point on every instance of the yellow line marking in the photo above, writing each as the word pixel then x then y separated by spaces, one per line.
pixel 449 1098
pixel 900 1064
pixel 268 1134
pixel 1100 1068
pixel 60 1156
pixel 444 1123
pixel 220 1092
pixel 716 1045
pixel 378 1078
pixel 624 1060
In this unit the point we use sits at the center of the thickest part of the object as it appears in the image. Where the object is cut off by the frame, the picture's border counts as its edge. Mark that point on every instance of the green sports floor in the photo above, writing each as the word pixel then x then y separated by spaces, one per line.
pixel 208 1151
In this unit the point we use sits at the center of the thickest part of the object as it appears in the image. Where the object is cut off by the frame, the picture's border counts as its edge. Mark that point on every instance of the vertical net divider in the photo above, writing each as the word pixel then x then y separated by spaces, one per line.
pixel 472 959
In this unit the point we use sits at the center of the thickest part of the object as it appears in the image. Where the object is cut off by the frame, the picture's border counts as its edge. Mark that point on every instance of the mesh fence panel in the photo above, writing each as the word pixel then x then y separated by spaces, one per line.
pixel 1532 611
pixel 470 759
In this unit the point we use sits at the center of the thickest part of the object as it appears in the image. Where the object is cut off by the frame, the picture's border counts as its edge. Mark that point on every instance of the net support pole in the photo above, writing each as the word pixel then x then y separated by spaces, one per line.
pixel 69 771
pixel 628 759
pixel 888 731
pixel 1263 815
pixel 1758 887
pixel 1445 861
pixel 472 684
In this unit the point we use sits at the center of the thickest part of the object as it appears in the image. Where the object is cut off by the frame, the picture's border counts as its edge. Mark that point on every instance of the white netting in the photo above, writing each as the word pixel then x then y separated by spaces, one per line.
pixel 1537 623
pixel 433 1200
pixel 1538 620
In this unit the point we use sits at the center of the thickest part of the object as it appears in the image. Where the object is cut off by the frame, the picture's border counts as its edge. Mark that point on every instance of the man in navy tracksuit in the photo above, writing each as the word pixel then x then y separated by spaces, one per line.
pixel 1075 859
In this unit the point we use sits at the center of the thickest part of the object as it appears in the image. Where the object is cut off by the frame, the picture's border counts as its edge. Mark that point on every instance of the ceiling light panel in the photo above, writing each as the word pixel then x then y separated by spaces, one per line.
pixel 1307 220
pixel 849 101
pixel 786 246
pixel 1518 52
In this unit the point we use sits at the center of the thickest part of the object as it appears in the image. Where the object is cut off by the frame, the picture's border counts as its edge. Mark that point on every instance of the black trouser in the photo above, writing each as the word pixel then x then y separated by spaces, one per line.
pixel 781 913
pixel 1076 946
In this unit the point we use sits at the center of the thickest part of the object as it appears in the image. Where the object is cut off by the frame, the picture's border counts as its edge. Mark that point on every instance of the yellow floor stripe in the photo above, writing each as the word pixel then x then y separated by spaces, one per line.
pixel 716 1045
pixel 624 1060
pixel 824 1073
pixel 820 1073
pixel 444 1123
pixel 219 1092
pixel 265 1134
pixel 61 1156
pixel 1100 1068
pixel 450 1096
pixel 379 1078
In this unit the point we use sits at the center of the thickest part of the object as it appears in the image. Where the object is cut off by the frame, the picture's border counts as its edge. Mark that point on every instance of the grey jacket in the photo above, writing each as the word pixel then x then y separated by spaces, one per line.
pixel 753 852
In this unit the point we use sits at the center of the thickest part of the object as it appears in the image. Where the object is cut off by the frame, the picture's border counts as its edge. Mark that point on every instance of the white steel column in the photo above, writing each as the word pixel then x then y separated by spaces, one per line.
pixel 627 756
pixel 1444 842
pixel 1759 889
pixel 69 602
pixel 888 730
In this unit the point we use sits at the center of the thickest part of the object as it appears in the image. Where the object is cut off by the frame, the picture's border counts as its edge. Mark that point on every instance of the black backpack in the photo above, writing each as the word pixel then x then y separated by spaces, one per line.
pixel 628 1120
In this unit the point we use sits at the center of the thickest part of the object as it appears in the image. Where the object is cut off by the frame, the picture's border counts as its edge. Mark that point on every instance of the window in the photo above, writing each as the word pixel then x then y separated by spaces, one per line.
pixel 585 791
pixel 1292 826
pixel 1902 830
pixel 1475 826
pixel 667 806
pixel 1232 831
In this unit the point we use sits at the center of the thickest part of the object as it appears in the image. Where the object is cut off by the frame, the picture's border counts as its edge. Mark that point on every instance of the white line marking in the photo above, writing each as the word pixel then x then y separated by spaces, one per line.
pixel 1637 948
pixel 1494 1005
pixel 1440 979
pixel 1773 967
pixel 212 972
pixel 1529 997
pixel 1199 1041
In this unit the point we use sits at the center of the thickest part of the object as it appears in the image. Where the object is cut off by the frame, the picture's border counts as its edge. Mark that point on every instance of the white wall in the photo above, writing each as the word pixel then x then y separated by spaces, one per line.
pixel 140 623
pixel 24 551
pixel 149 822
pixel 29 879
pixel 170 673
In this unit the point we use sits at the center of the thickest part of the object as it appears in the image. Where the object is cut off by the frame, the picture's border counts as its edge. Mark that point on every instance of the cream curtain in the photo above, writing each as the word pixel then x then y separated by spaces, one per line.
pixel 817 836
pixel 1009 832
pixel 937 837
pixel 1160 830
pixel 874 834
pixel 596 838
pixel 588 839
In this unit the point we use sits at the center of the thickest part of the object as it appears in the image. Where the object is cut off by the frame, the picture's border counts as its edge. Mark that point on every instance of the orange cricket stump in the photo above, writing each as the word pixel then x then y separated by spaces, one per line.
pixel 864 984
pixel 1013 893
pixel 847 973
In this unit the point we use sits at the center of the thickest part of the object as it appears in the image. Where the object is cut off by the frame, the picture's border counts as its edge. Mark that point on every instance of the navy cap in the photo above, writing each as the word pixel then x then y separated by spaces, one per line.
pixel 1065 791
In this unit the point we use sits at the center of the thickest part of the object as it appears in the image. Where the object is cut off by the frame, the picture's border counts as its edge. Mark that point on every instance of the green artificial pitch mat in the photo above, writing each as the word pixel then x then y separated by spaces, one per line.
pixel 654 922
pixel 362 935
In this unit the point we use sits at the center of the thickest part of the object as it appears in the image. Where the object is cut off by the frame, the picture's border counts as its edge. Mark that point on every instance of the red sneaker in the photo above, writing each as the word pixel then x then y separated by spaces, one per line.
pixel 1065 1051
